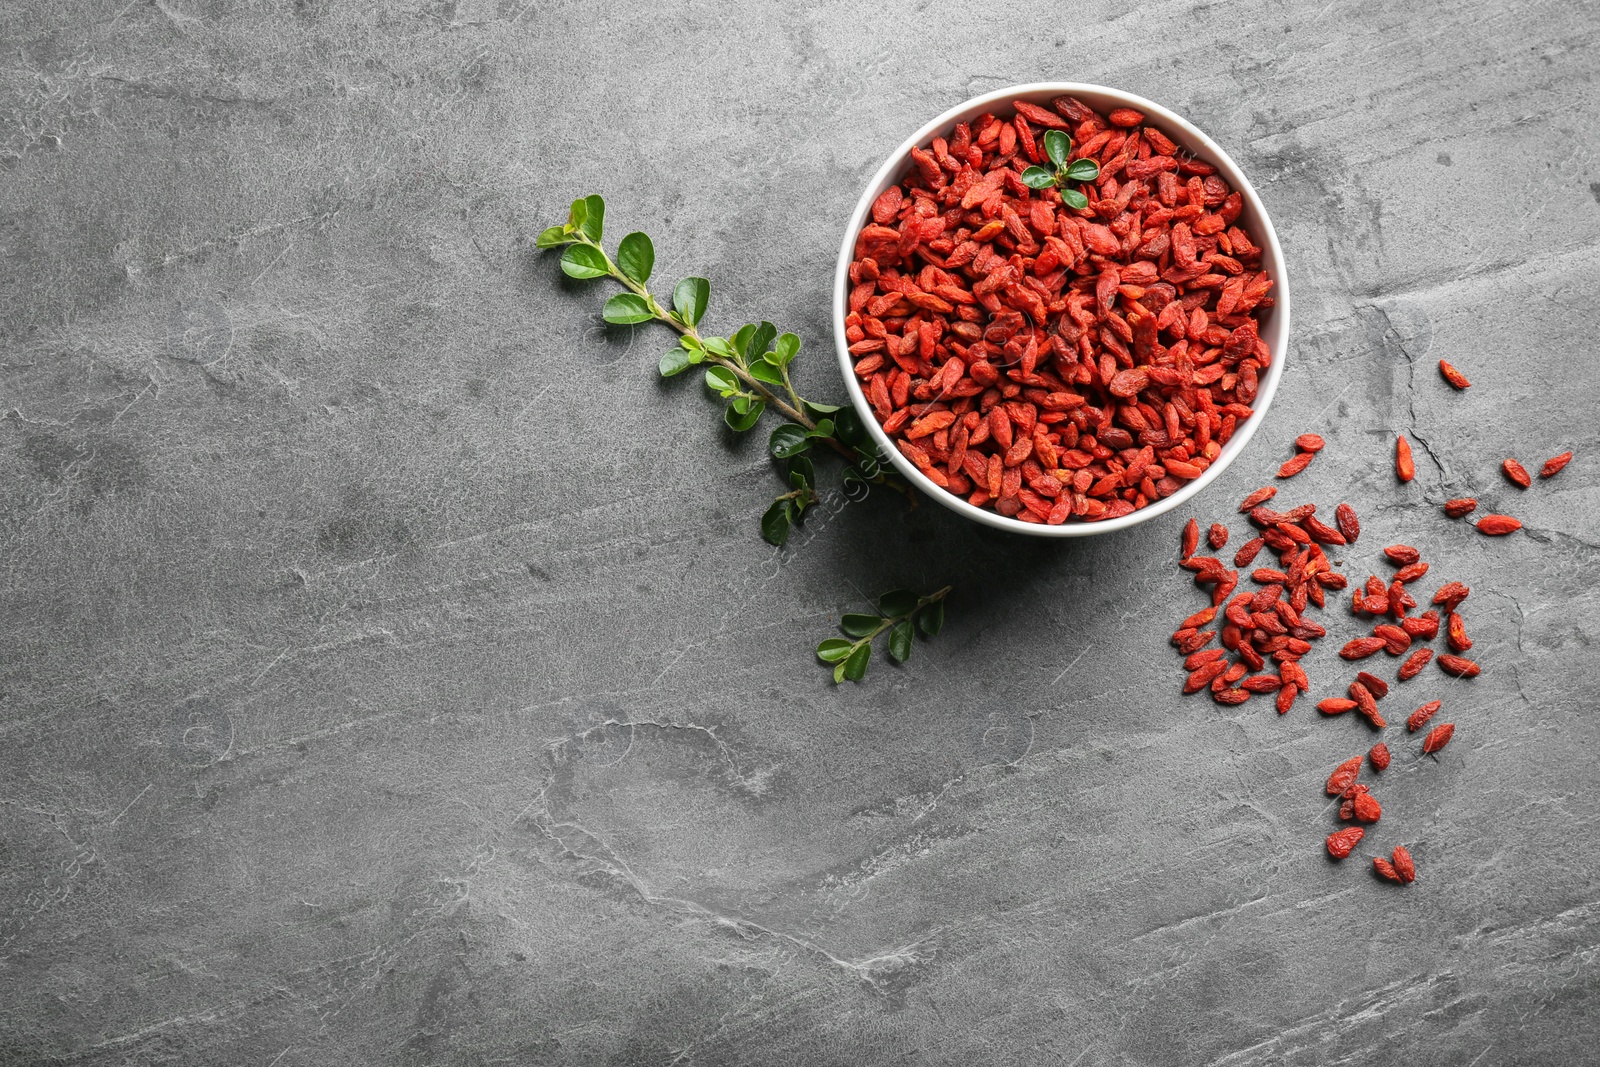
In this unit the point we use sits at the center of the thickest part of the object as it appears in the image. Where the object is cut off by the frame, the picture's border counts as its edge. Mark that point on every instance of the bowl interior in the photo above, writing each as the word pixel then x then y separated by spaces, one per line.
pixel 1274 323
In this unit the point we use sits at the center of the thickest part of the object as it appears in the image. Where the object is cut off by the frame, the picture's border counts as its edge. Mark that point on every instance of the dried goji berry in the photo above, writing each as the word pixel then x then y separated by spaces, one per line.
pixel 1217 536
pixel 1191 538
pixel 1335 706
pixel 1403 865
pixel 1379 755
pixel 1411 571
pixel 1460 506
pixel 1257 498
pixel 1386 870
pixel 1458 666
pixel 1451 594
pixel 1361 647
pixel 1456 633
pixel 1344 776
pixel 1377 686
pixel 1414 663
pixel 1366 808
pixel 1309 442
pixel 1516 472
pixel 1438 737
pixel 1349 525
pixel 1402 554
pixel 1422 715
pixel 1294 466
pixel 1498 525
pixel 1453 376
pixel 1342 842
pixel 1403 465
pixel 1553 465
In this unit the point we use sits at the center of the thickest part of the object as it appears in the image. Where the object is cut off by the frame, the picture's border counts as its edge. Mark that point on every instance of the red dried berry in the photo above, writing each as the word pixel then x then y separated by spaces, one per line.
pixel 1498 525
pixel 1248 552
pixel 1395 639
pixel 1286 698
pixel 1414 663
pixel 1321 532
pixel 1366 808
pixel 1553 465
pixel 1402 554
pixel 1458 666
pixel 1217 536
pixel 1411 571
pixel 1378 686
pixel 1231 696
pixel 1200 659
pixel 1459 506
pixel 1379 755
pixel 1294 466
pixel 1342 842
pixel 1385 870
pixel 1344 776
pixel 1257 498
pixel 1516 472
pixel 1403 465
pixel 1422 715
pixel 1453 376
pixel 1349 525
pixel 1203 675
pixel 1361 647
pixel 1309 442
pixel 1451 594
pixel 1438 737
pixel 1191 538
pixel 1403 866
pixel 1456 633
pixel 1335 706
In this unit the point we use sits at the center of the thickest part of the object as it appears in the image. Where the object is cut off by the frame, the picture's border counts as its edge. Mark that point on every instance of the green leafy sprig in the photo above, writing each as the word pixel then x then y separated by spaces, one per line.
pixel 902 613
pixel 1058 149
pixel 748 371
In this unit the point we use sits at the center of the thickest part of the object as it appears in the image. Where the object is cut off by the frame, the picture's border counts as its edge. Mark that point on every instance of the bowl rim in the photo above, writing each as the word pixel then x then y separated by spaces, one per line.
pixel 1197 142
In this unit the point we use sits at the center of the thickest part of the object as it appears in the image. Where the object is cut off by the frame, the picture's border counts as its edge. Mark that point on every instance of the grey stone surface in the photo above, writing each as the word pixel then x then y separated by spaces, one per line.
pixel 392 674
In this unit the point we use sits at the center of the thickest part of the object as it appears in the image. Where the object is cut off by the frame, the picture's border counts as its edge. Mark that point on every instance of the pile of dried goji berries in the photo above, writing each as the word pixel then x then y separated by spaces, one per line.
pixel 1266 633
pixel 1055 363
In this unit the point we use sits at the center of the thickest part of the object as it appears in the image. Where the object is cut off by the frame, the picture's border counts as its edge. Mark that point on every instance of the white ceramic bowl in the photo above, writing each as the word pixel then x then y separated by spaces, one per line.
pixel 1253 219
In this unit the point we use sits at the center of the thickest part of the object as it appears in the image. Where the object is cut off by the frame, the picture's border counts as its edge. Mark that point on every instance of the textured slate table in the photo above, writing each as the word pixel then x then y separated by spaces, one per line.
pixel 392 673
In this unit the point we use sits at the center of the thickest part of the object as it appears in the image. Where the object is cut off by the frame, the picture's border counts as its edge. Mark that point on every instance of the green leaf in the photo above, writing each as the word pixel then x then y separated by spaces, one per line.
pixel 576 215
pixel 690 345
pixel 816 411
pixel 763 371
pixel 583 261
pixel 897 602
pixel 785 349
pixel 802 467
pixel 594 217
pixel 741 340
pixel 775 524
pixel 856 666
pixel 1038 178
pixel 719 346
pixel 834 649
pixel 625 309
pixel 900 641
pixel 741 403
pixel 1073 198
pixel 676 361
pixel 858 625
pixel 722 380
pixel 797 480
pixel 848 428
pixel 930 620
pixel 689 299
pixel 1083 170
pixel 553 237
pixel 1057 145
pixel 739 422
pixel 636 256
pixel 761 343
pixel 823 428
pixel 788 440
